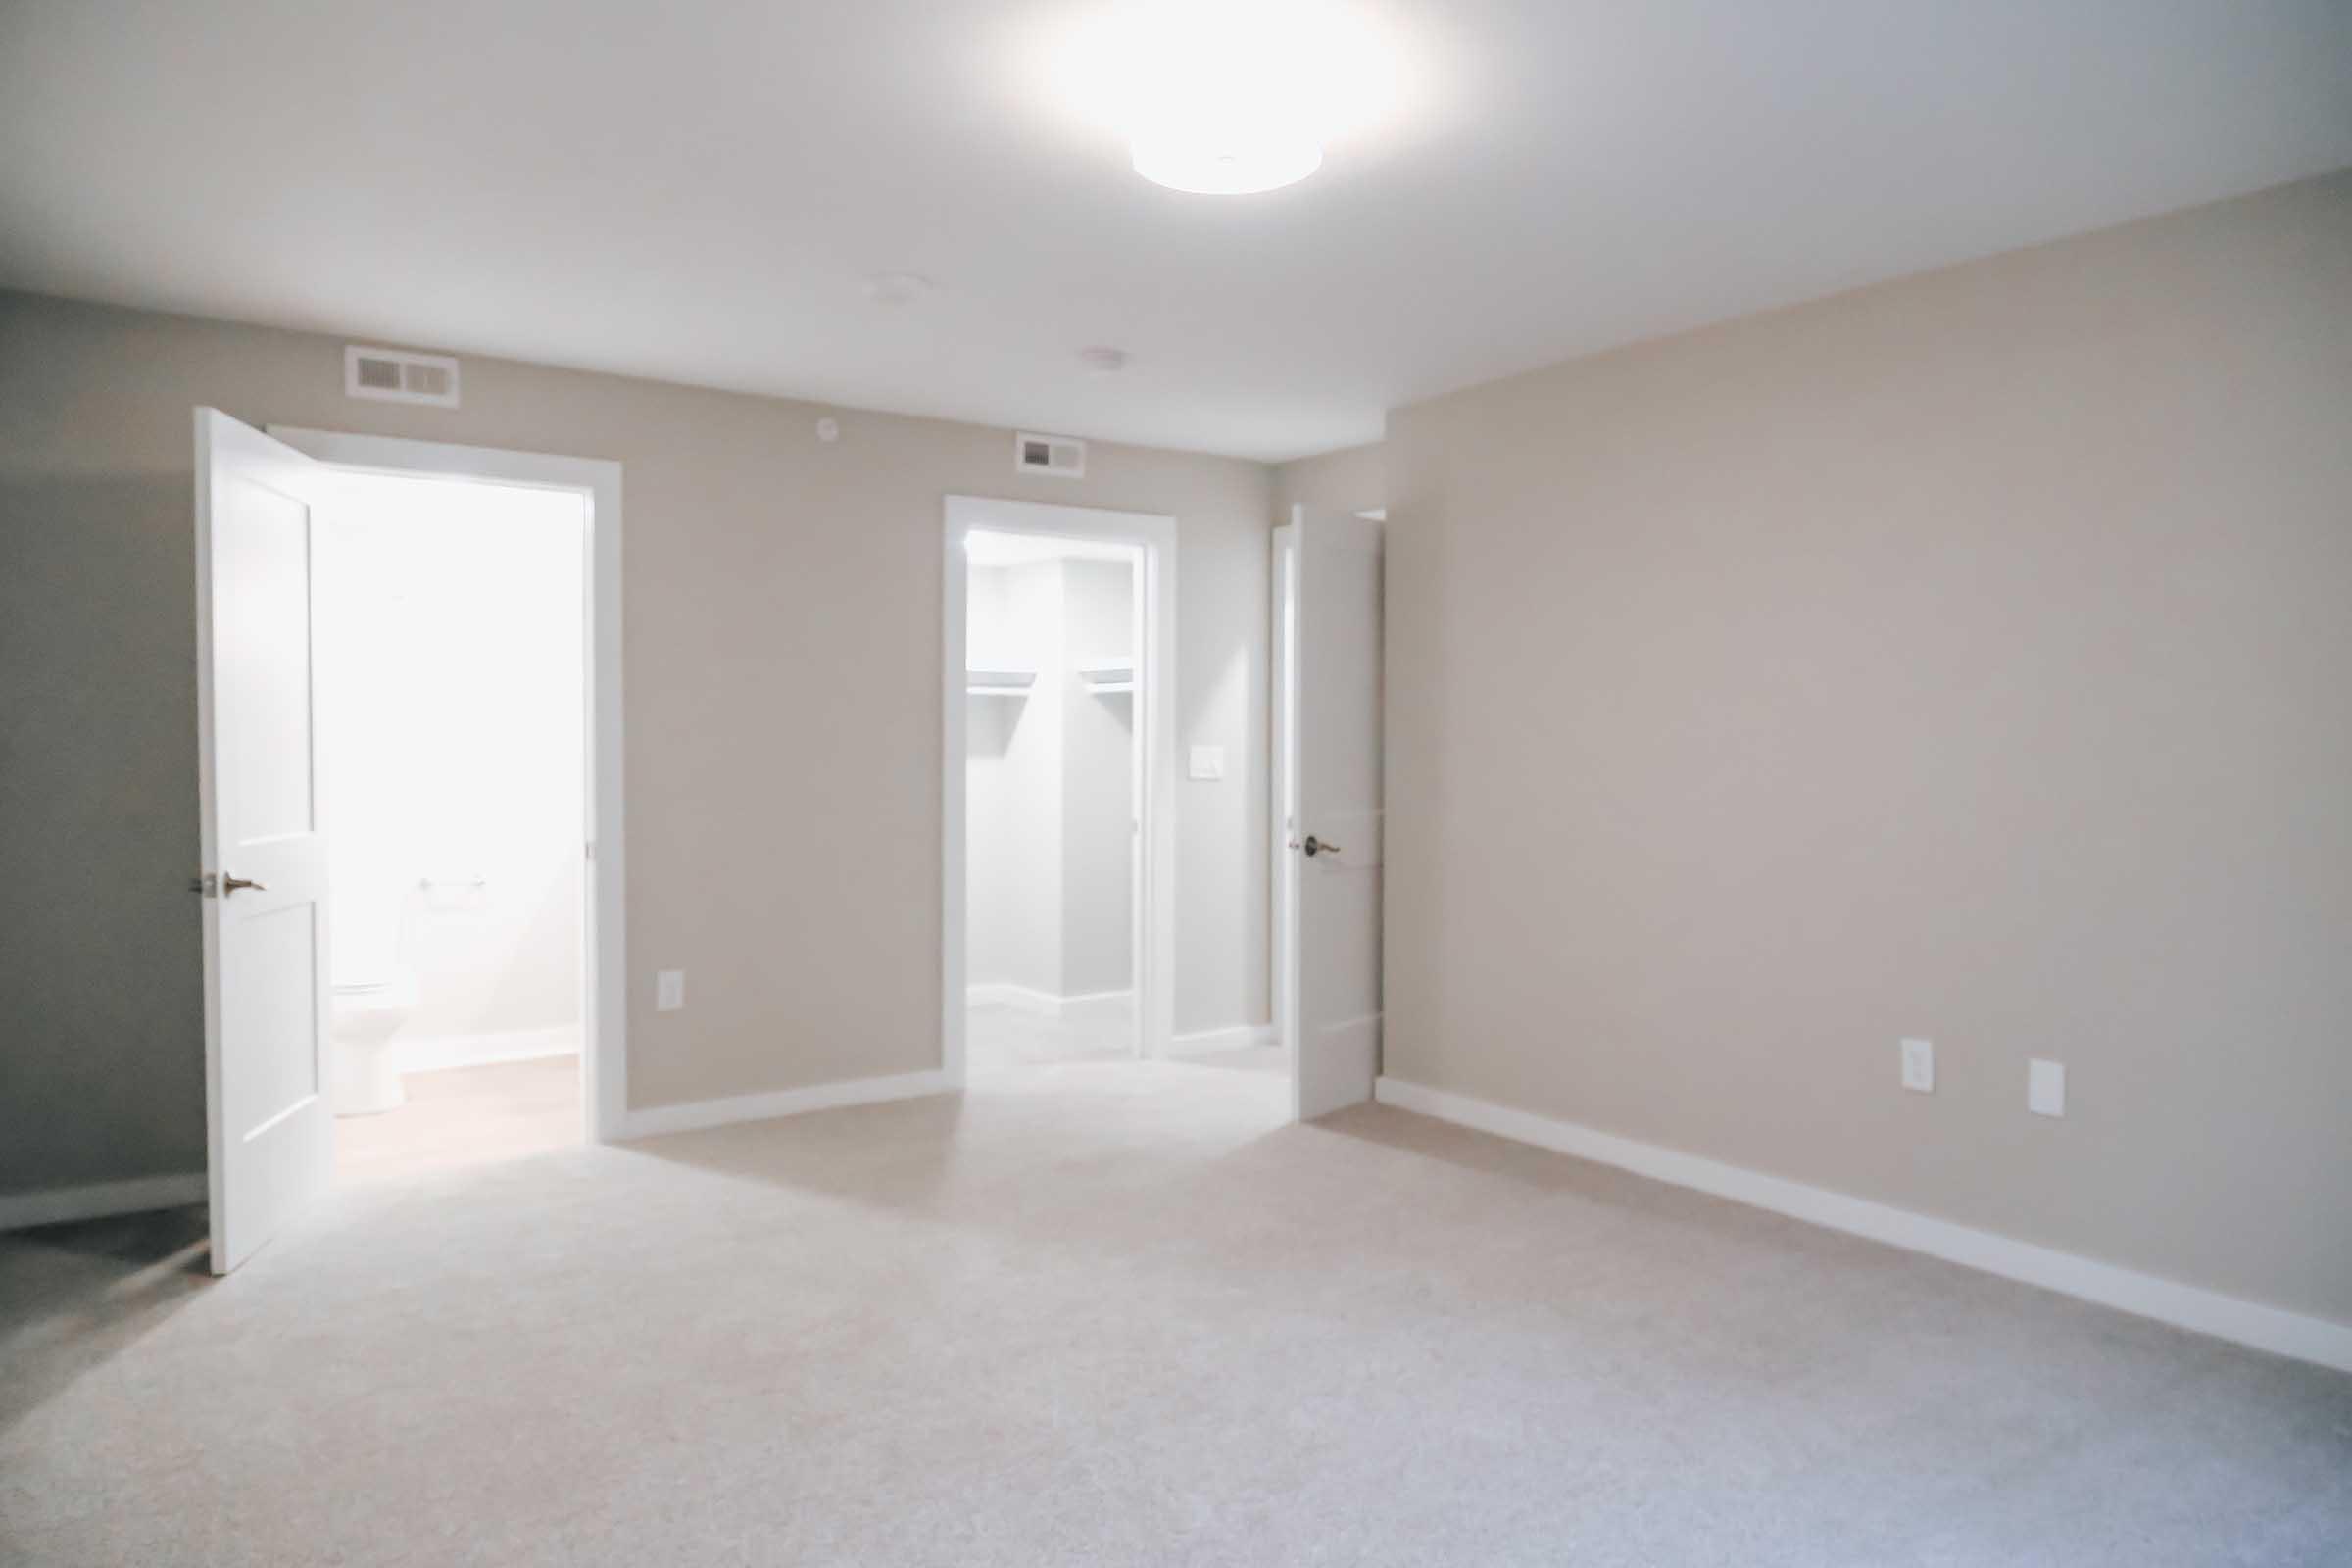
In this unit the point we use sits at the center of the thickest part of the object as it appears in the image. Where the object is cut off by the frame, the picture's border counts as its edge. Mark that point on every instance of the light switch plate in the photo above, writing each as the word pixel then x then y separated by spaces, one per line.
pixel 1208 763
pixel 1919 1065
pixel 669 990
pixel 2045 1088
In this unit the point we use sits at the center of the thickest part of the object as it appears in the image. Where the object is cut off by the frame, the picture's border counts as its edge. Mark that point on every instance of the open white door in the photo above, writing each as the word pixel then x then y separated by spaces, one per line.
pixel 1333 885
pixel 269 1125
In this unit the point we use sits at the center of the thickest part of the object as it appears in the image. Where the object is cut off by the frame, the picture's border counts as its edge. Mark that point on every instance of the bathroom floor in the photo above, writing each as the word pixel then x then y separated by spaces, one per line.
pixel 465 1116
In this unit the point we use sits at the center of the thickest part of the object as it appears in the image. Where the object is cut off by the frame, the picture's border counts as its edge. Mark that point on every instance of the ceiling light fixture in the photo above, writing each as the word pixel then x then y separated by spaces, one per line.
pixel 1229 97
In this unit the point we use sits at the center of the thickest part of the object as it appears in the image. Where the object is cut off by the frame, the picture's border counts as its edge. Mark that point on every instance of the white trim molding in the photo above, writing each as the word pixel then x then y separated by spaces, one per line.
pixel 1236 1038
pixel 654 1121
pixel 1097 1004
pixel 440 1052
pixel 1028 999
pixel 2187 1306
pixel 59 1206
pixel 1005 994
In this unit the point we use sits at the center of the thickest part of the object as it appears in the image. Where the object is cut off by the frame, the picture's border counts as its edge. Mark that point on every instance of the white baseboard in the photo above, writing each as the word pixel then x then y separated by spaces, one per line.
pixel 438 1053
pixel 1236 1038
pixel 1049 1003
pixel 1005 994
pixel 56 1206
pixel 1098 1004
pixel 655 1120
pixel 2226 1317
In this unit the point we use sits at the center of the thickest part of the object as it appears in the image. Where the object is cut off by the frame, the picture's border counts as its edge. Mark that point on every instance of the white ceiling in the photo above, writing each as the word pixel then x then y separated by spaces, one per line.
pixel 700 190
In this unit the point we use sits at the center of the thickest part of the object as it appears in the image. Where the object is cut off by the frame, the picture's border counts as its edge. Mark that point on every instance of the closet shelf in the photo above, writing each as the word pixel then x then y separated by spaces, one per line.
pixel 999 682
pixel 1109 676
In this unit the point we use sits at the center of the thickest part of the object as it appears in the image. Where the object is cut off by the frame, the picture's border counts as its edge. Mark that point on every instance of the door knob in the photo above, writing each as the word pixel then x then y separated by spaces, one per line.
pixel 230 884
pixel 1315 846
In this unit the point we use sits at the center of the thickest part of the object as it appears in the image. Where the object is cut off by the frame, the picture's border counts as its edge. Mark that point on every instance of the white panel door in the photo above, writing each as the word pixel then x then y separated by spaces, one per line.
pixel 1334 673
pixel 270 1126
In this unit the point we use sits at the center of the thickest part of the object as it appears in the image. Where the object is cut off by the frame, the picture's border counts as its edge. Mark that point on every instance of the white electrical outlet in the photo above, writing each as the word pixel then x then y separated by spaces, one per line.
pixel 669 990
pixel 1919 1065
pixel 2045 1088
pixel 1207 763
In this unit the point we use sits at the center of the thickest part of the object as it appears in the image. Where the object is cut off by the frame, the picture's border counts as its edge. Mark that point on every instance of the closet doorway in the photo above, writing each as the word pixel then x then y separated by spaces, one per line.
pixel 1057 909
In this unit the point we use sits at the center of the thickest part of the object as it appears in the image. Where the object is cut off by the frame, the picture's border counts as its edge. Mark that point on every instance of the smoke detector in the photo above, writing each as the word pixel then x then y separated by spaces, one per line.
pixel 1103 361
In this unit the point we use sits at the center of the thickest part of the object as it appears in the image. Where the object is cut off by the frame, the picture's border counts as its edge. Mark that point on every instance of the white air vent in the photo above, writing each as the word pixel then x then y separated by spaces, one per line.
pixel 398 376
pixel 1057 455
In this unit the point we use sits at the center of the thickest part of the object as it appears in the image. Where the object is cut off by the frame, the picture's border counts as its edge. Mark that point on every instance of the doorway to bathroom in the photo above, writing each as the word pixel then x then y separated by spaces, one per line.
pixel 452 713
pixel 408 705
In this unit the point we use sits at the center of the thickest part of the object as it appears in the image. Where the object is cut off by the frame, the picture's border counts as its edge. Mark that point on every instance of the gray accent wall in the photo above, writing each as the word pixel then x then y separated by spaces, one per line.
pixel 782 668
pixel 1967 657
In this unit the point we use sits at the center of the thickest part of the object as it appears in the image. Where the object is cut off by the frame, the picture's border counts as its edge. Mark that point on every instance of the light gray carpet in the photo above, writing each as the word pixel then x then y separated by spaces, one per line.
pixel 1113 1315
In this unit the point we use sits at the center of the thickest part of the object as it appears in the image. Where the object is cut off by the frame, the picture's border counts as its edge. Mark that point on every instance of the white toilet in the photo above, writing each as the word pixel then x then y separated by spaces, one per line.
pixel 373 997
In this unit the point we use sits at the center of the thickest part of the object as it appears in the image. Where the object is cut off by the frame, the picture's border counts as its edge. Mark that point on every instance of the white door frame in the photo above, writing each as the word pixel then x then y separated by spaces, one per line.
pixel 1153 925
pixel 605 1010
pixel 1282 565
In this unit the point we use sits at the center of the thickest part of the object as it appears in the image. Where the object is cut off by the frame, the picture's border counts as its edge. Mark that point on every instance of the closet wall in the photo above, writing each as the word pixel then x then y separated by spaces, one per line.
pixel 1049 796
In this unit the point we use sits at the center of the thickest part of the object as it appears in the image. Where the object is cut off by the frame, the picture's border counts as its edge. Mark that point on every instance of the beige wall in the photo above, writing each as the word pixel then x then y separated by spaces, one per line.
pixel 1967 657
pixel 783 831
pixel 1350 480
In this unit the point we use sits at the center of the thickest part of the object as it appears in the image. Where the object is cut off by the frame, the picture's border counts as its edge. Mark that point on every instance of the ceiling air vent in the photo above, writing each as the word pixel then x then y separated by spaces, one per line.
pixel 398 376
pixel 1057 455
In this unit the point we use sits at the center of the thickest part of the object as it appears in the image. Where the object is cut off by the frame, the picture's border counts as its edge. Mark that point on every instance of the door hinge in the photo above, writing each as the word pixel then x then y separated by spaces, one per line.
pixel 208 885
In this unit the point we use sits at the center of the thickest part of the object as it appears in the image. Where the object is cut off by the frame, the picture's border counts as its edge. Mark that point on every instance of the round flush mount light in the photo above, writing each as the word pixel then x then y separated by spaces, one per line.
pixel 1229 97
pixel 1229 166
